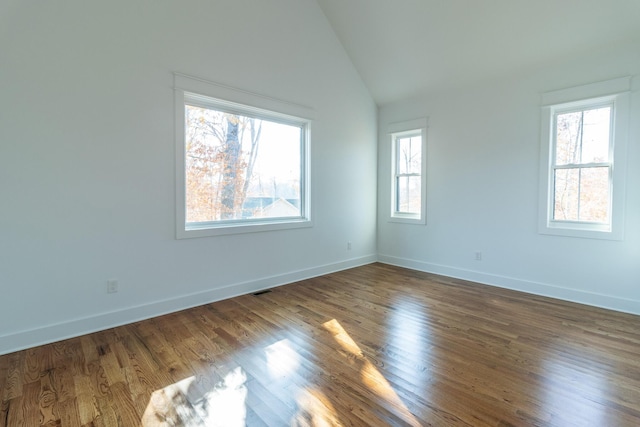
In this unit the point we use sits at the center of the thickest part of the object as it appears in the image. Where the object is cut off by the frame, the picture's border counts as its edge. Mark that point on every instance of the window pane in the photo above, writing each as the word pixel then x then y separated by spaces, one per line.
pixel 582 194
pixel 583 136
pixel 566 197
pixel 595 139
pixel 409 194
pixel 409 155
pixel 568 136
pixel 239 167
pixel 594 195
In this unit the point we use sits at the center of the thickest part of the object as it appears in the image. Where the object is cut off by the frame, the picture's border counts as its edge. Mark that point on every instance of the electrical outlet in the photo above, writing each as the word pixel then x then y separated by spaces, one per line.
pixel 478 256
pixel 112 286
pixel 348 246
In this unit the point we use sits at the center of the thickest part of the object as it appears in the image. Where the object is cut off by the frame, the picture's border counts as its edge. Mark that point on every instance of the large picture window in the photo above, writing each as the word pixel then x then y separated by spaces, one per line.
pixel 583 157
pixel 242 168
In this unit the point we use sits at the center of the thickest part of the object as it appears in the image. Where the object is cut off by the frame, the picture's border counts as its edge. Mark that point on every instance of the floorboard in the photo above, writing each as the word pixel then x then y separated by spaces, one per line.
pixel 372 346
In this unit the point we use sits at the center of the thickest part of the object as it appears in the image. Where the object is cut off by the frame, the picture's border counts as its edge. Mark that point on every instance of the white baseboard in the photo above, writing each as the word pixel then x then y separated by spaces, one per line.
pixel 77 327
pixel 589 298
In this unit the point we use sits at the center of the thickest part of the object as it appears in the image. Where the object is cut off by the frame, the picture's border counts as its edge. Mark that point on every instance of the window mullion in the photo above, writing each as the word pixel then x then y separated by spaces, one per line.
pixel 579 193
pixel 583 165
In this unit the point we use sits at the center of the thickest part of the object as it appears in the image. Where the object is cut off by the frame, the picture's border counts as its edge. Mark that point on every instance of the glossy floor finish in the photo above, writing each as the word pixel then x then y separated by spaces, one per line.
pixel 372 346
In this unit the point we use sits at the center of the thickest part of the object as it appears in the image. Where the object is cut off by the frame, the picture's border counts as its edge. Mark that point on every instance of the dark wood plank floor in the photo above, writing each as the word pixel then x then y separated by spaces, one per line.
pixel 371 346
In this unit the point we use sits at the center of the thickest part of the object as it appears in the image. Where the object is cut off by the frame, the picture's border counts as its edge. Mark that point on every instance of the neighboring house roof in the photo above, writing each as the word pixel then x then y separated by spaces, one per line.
pixel 270 207
pixel 280 208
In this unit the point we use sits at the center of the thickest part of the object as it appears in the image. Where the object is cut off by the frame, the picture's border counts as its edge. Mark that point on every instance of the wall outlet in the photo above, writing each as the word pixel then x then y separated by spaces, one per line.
pixel 348 246
pixel 478 256
pixel 112 286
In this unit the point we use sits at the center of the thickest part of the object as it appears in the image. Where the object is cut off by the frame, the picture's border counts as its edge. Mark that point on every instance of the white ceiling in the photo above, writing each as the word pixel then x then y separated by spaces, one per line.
pixel 403 48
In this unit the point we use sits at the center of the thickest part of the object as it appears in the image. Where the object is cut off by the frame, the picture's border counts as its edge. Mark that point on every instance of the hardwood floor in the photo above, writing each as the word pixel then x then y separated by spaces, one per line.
pixel 372 346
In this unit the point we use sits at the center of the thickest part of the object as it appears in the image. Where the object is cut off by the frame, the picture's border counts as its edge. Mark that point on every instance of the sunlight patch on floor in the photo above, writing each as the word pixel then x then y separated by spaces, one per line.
pixel 282 359
pixel 180 404
pixel 314 409
pixel 371 376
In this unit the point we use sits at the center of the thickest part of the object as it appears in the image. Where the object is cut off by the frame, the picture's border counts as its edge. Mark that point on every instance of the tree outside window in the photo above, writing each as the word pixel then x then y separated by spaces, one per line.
pixel 239 167
pixel 582 190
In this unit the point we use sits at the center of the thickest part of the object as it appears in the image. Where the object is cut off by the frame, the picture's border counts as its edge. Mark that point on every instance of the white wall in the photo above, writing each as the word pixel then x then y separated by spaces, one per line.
pixel 483 174
pixel 87 157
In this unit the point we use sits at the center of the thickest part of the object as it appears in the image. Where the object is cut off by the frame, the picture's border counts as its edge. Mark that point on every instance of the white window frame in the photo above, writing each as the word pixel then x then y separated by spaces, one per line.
pixel 614 93
pixel 402 130
pixel 194 91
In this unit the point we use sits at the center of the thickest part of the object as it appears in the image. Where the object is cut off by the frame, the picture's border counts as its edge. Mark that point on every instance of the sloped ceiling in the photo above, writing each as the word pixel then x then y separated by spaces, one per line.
pixel 404 48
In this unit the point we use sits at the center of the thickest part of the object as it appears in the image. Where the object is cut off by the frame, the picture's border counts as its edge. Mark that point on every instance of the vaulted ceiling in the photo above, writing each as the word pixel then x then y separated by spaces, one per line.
pixel 403 48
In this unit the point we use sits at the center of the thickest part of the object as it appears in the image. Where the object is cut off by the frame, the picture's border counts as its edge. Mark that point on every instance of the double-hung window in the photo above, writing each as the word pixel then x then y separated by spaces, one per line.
pixel 583 161
pixel 408 189
pixel 241 167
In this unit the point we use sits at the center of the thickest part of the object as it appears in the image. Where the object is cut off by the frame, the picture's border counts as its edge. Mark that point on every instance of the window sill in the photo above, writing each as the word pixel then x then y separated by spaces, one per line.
pixel 408 219
pixel 585 231
pixel 208 229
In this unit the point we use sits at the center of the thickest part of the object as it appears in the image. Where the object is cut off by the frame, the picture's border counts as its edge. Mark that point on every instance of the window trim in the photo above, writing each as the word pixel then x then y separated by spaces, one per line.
pixel 611 92
pixel 395 131
pixel 199 92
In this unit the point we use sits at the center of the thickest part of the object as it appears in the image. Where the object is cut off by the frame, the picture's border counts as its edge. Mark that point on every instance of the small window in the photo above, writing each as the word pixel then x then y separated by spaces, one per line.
pixel 583 191
pixel 242 168
pixel 408 170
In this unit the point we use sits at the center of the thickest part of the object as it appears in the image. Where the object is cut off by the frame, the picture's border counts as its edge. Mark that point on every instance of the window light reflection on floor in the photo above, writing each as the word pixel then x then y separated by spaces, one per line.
pixel 313 406
pixel 194 403
pixel 410 330
pixel 371 376
pixel 315 409
pixel 282 359
pixel 567 386
pixel 179 404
